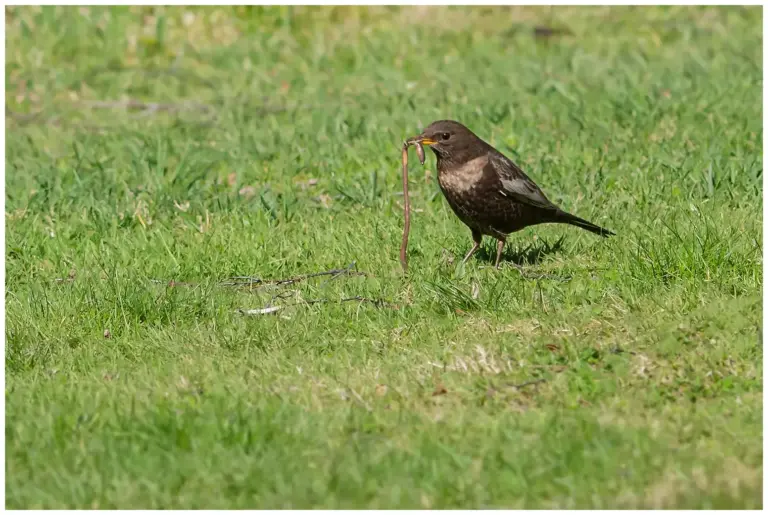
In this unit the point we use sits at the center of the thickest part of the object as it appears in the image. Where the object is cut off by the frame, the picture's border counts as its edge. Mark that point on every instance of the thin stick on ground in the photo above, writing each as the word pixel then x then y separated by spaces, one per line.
pixel 147 106
pixel 528 383
pixel 536 277
pixel 255 281
pixel 269 308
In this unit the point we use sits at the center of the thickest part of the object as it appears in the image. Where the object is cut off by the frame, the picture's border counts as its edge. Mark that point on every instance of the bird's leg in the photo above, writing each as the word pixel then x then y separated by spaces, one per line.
pixel 478 239
pixel 499 250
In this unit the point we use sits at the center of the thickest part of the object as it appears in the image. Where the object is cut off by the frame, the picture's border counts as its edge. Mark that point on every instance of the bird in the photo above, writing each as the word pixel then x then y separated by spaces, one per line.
pixel 486 190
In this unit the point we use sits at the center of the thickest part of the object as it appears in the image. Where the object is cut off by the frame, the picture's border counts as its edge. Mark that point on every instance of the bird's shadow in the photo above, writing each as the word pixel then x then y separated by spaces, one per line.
pixel 530 255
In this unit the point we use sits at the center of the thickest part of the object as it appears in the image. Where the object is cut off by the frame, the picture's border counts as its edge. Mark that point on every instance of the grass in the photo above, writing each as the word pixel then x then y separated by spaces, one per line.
pixel 275 153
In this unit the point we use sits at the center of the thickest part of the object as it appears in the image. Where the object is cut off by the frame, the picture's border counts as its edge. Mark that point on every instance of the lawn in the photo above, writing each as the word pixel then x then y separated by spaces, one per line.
pixel 153 154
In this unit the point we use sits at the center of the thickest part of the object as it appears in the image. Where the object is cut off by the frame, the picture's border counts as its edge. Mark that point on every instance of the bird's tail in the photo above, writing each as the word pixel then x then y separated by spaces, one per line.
pixel 568 218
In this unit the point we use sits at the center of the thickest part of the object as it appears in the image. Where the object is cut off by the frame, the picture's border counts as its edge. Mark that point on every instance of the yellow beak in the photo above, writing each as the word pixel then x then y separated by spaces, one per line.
pixel 427 141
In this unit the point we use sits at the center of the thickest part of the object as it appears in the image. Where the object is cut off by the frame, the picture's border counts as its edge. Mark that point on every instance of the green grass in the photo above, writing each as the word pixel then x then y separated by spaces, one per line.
pixel 646 121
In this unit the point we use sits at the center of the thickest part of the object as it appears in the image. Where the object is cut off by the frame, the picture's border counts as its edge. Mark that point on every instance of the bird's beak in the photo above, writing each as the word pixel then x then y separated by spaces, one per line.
pixel 423 140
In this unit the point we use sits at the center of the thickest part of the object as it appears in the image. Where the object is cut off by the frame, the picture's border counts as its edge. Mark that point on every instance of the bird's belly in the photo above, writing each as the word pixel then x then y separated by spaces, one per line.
pixel 487 211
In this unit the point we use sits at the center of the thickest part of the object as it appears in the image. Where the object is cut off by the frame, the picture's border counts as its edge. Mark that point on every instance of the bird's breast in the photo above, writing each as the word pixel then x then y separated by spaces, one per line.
pixel 464 178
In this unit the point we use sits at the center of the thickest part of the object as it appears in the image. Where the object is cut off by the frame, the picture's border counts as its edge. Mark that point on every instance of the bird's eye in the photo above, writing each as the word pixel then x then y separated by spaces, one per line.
pixel 445 136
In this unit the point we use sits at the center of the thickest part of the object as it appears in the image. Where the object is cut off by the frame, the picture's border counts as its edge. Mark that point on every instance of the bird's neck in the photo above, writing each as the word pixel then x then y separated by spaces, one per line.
pixel 453 160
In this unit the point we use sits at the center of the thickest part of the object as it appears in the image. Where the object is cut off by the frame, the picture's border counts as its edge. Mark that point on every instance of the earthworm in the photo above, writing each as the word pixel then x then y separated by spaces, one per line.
pixel 420 152
pixel 406 198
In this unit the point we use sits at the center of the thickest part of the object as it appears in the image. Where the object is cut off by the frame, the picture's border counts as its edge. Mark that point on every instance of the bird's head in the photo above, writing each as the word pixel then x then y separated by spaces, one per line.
pixel 450 140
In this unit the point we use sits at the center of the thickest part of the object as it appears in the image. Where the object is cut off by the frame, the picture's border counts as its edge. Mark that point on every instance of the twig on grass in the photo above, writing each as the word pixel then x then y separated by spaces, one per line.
pixel 172 283
pixel 537 277
pixel 251 282
pixel 618 350
pixel 379 303
pixel 240 281
pixel 148 107
pixel 527 383
pixel 269 309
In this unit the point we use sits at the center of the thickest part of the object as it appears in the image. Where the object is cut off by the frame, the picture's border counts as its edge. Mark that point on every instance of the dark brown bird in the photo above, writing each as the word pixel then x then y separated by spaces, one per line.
pixel 486 190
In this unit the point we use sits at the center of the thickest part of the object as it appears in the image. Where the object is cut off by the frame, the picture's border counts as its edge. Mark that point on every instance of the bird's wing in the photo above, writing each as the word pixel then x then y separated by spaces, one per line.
pixel 516 185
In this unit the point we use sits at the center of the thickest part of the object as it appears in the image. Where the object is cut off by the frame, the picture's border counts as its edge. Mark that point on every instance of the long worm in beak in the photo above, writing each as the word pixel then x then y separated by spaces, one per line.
pixel 406 198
